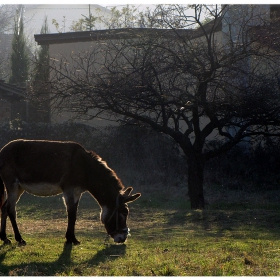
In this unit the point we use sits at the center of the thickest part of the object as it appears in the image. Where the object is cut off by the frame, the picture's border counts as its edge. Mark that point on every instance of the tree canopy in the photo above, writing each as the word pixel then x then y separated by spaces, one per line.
pixel 193 81
pixel 7 13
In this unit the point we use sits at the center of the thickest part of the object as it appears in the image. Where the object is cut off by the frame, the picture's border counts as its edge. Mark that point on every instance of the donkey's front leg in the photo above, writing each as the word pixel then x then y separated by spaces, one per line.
pixel 71 205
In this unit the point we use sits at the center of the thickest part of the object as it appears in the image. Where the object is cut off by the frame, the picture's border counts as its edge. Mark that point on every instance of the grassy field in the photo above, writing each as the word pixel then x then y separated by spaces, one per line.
pixel 237 234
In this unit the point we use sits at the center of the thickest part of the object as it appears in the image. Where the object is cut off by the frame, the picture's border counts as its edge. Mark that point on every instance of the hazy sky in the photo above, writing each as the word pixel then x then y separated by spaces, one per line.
pixel 135 2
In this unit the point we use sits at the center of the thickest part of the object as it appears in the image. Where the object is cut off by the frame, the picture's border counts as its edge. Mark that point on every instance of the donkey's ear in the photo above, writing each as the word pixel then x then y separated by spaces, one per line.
pixel 127 191
pixel 131 198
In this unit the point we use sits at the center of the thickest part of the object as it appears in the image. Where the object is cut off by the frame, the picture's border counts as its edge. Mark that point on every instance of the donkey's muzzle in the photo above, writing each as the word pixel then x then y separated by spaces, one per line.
pixel 120 236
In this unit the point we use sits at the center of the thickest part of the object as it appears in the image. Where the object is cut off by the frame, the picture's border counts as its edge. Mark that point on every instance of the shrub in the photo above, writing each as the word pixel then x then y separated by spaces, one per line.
pixel 258 168
pixel 138 155
pixel 143 155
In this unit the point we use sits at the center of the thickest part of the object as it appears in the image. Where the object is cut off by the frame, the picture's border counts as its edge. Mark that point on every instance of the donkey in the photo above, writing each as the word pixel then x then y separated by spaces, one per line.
pixel 47 168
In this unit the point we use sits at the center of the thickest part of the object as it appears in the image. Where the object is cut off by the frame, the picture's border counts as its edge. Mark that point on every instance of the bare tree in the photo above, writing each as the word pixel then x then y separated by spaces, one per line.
pixel 19 55
pixel 183 81
pixel 7 13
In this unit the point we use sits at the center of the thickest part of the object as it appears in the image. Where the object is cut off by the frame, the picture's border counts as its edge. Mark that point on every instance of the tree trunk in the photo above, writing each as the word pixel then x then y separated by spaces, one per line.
pixel 195 182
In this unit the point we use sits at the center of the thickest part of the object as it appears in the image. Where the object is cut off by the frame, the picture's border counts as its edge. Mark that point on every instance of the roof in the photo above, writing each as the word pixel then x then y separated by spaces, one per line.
pixel 266 34
pixel 85 36
pixel 122 33
pixel 11 90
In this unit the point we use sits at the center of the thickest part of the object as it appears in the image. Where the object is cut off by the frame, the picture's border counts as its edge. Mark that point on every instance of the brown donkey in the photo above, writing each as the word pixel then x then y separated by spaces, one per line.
pixel 46 168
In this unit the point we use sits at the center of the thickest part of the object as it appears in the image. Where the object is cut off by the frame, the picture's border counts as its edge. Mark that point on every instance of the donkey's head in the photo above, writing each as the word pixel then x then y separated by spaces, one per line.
pixel 114 218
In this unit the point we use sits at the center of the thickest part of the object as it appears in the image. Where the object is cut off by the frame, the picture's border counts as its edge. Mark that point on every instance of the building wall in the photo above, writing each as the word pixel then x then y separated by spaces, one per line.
pixel 252 15
pixel 5 109
pixel 64 52
pixel 12 107
pixel 5 50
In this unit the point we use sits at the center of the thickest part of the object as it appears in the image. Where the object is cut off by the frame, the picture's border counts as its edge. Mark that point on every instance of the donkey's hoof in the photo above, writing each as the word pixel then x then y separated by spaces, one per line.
pixel 7 241
pixel 21 243
pixel 74 242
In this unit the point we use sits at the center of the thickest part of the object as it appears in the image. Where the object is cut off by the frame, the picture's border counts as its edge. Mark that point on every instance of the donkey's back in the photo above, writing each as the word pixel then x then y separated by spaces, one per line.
pixel 46 164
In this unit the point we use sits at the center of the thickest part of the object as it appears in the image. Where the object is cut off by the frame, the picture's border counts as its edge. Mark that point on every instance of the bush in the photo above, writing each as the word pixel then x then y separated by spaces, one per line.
pixel 66 131
pixel 138 155
pixel 257 168
pixel 142 155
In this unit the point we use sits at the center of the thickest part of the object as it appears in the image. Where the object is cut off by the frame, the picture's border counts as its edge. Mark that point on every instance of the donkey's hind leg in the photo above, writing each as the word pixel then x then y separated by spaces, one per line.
pixel 4 216
pixel 10 209
pixel 71 203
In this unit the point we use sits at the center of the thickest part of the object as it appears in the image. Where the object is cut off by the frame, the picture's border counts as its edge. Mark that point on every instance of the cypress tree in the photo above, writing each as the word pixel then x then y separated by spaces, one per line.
pixel 19 56
pixel 41 69
pixel 39 106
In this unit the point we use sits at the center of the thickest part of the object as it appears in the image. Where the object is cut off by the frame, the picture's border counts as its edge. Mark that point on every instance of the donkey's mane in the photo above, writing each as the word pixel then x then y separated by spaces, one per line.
pixel 110 173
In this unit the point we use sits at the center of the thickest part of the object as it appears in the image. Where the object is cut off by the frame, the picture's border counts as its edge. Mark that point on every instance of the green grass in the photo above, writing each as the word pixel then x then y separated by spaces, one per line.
pixel 167 239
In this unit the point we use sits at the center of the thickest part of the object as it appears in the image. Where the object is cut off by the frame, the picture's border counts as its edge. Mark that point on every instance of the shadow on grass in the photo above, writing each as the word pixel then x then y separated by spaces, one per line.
pixel 256 222
pixel 111 251
pixel 236 220
pixel 64 265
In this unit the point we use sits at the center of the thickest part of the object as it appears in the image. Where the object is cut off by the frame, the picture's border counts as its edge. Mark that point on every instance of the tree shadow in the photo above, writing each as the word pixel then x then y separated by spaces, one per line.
pixel 61 266
pixel 222 222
